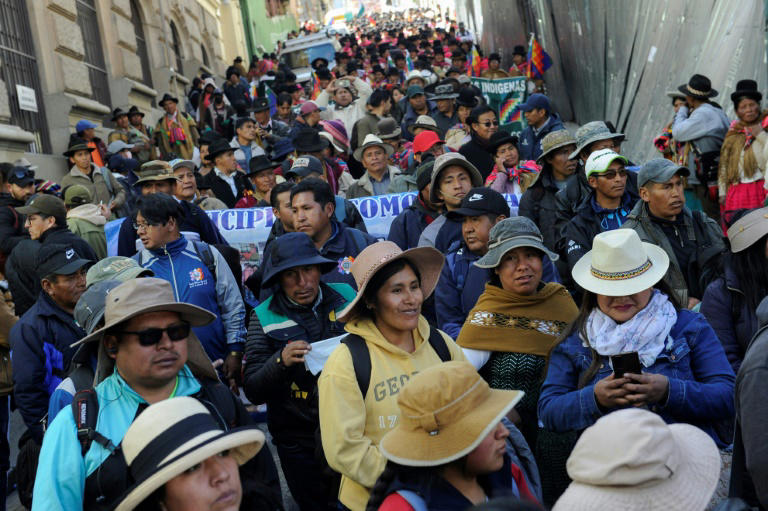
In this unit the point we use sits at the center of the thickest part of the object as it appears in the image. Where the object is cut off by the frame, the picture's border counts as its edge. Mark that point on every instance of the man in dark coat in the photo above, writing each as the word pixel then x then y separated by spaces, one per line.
pixel 18 185
pixel 227 184
pixel 541 121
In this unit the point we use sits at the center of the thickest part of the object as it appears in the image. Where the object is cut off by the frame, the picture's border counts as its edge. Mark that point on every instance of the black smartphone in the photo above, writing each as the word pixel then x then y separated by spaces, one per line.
pixel 626 363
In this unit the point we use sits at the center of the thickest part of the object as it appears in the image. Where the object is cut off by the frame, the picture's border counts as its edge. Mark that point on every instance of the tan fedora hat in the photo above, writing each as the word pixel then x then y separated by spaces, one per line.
pixel 445 412
pixel 619 264
pixel 748 229
pixel 372 140
pixel 427 260
pixel 172 436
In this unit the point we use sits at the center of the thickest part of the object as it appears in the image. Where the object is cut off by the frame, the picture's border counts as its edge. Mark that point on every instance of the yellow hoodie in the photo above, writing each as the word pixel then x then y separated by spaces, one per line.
pixel 351 426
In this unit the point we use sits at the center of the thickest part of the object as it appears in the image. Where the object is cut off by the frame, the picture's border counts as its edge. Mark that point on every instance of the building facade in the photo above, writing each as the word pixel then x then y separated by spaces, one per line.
pixel 266 22
pixel 66 60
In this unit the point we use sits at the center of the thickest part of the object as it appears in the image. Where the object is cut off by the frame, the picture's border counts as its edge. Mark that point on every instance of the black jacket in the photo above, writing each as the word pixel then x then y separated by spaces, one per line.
pixel 478 155
pixel 11 223
pixel 222 190
pixel 290 392
pixel 539 204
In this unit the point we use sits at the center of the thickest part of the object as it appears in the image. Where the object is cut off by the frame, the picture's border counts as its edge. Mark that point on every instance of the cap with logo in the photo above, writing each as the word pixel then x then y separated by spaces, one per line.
pixel 21 176
pixel 599 161
pixel 115 268
pixel 659 170
pixel 44 204
pixel 481 201
pixel 58 259
pixel 304 166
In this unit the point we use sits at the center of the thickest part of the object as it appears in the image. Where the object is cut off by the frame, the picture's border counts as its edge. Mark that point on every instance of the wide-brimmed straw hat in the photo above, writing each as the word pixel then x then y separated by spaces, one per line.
pixel 747 230
pixel 511 233
pixel 445 412
pixel 172 436
pixel 619 264
pixel 372 140
pixel 427 260
pixel 631 460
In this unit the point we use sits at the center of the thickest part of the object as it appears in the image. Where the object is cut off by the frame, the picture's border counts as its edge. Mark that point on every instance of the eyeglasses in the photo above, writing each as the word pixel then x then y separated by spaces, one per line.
pixel 488 124
pixel 152 336
pixel 611 174
pixel 137 226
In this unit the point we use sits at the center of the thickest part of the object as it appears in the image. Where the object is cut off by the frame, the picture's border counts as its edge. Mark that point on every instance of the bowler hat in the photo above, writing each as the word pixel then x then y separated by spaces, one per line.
pixel 218 147
pixel 500 138
pixel 467 98
pixel 134 110
pixel 259 163
pixel 260 104
pixel 291 250
pixel 698 87
pixel 308 140
pixel 118 112
pixel 167 97
pixel 519 50
pixel 746 89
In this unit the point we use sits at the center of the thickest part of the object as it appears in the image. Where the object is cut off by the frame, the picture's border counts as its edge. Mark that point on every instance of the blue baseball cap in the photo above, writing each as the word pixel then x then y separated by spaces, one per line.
pixel 84 124
pixel 536 101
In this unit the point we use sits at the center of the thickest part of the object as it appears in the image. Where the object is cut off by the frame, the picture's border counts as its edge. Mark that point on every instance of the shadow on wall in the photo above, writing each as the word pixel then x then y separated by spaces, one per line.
pixel 616 60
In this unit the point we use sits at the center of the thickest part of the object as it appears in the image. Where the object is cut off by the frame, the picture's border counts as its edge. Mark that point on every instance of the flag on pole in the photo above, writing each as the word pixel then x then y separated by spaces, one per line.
pixel 361 11
pixel 315 87
pixel 538 59
pixel 474 61
pixel 408 61
pixel 390 62
pixel 272 97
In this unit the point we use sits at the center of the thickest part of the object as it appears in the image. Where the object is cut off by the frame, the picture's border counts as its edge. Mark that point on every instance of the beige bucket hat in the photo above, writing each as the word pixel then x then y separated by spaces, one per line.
pixel 429 261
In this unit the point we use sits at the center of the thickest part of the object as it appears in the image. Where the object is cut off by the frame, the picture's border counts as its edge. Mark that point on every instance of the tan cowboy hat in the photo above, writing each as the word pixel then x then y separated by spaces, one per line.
pixel 427 260
pixel 619 264
pixel 149 294
pixel 632 460
pixel 747 230
pixel 372 140
pixel 172 436
pixel 445 412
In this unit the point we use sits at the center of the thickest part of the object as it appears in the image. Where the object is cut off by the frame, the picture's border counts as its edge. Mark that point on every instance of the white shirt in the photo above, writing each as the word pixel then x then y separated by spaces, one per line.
pixel 230 180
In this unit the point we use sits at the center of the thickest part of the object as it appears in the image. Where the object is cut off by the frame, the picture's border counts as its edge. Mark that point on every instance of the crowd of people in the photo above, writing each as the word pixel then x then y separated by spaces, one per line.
pixel 602 347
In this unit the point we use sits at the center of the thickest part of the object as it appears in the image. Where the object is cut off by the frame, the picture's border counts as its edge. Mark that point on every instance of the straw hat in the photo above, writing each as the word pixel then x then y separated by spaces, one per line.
pixel 747 230
pixel 427 260
pixel 173 435
pixel 445 412
pixel 631 460
pixel 619 264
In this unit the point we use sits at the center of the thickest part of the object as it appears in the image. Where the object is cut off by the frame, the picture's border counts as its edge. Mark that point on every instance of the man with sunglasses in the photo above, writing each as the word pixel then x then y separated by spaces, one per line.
pixel 147 352
pixel 18 185
pixel 174 258
pixel 605 209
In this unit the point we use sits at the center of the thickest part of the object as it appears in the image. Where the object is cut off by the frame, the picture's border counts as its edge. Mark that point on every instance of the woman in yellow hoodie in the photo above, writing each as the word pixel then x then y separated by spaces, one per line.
pixel 389 342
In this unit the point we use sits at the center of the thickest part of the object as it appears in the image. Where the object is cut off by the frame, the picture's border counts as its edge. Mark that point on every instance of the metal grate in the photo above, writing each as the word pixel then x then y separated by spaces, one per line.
pixel 18 66
pixel 94 54
pixel 141 44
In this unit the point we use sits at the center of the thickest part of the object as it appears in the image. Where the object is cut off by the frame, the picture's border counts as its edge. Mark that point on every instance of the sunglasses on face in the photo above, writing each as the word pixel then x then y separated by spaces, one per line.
pixel 611 174
pixel 488 124
pixel 152 336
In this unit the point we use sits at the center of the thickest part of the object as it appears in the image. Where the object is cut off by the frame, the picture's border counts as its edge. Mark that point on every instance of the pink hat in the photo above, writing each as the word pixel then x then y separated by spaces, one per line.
pixel 339 134
pixel 308 107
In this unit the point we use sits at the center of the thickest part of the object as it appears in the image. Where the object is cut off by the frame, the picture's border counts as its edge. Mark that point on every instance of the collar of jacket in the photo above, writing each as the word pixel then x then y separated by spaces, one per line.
pixel 171 249
pixel 51 231
pixel 590 206
pixel 76 172
pixel 366 182
pixel 327 297
pixel 46 307
pixel 642 213
pixel 336 241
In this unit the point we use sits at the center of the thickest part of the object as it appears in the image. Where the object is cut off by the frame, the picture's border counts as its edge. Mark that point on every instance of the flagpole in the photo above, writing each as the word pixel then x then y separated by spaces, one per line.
pixel 530 55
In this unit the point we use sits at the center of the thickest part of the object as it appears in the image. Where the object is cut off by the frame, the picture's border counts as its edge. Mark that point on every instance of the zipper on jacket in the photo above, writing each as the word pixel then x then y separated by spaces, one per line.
pixel 173 272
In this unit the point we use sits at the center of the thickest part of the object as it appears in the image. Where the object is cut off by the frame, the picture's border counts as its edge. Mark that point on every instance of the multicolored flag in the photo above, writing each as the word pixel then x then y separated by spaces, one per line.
pixel 538 60
pixel 390 62
pixel 315 87
pixel 474 62
pixel 272 97
pixel 408 61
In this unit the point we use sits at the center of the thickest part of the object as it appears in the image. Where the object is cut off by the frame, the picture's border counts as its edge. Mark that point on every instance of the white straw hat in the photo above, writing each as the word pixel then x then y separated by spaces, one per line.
pixel 619 264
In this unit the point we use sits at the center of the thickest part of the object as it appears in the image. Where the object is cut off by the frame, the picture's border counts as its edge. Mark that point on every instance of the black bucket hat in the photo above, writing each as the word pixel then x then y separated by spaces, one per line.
pixel 746 89
pixel 699 87
pixel 309 141
pixel 467 98
pixel 289 251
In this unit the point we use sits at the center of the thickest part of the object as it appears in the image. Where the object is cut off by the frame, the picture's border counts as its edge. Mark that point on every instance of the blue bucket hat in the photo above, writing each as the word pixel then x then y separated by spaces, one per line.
pixel 289 251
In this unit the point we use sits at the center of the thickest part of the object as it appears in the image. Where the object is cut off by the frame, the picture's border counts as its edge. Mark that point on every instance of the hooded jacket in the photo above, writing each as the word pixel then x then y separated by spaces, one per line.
pixel 363 187
pixel 352 425
pixel 87 222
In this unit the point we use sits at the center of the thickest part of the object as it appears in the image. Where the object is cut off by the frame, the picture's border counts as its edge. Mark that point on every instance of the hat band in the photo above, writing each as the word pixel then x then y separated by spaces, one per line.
pixel 696 92
pixel 525 235
pixel 149 459
pixel 621 275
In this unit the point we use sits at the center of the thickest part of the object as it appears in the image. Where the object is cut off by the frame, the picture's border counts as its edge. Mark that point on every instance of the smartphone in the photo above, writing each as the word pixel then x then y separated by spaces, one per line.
pixel 626 363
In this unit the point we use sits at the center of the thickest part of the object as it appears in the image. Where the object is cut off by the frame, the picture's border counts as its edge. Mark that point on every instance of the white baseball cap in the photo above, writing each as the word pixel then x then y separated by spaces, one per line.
pixel 599 161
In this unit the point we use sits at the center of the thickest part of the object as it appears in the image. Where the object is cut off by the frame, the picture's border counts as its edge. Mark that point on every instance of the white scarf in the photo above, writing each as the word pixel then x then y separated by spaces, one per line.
pixel 647 332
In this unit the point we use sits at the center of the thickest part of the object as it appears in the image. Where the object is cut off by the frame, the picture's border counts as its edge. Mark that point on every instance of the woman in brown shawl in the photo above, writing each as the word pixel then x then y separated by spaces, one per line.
pixel 518 319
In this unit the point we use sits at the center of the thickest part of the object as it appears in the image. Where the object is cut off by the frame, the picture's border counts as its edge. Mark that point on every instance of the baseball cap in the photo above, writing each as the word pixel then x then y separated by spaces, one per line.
pixel 425 140
pixel 77 195
pixel 115 268
pixel 58 259
pixel 414 90
pixel 481 201
pixel 121 164
pixel 599 161
pixel 305 166
pixel 44 204
pixel 536 101
pixel 659 170
pixel 116 146
pixel 21 176
pixel 309 107
pixel 84 124
pixel 89 310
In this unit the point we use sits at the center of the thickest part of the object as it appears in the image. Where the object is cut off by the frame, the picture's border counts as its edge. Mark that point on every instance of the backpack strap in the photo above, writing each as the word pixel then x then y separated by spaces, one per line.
pixel 413 499
pixel 85 410
pixel 361 360
pixel 438 344
pixel 360 241
pixel 82 378
pixel 205 254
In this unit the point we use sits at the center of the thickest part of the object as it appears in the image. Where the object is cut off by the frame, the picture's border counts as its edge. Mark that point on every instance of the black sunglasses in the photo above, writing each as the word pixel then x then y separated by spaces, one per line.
pixel 488 124
pixel 152 336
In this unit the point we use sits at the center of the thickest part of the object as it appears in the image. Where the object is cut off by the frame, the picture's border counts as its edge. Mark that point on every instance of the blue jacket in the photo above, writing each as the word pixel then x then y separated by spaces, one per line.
pixel 343 246
pixel 179 264
pixel 40 354
pixel 701 382
pixel 461 284
pixel 530 140
pixel 407 227
pixel 409 119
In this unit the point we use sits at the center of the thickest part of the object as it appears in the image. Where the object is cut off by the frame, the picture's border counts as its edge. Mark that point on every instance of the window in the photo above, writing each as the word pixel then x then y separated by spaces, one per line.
pixel 19 67
pixel 94 55
pixel 176 47
pixel 141 44
pixel 206 62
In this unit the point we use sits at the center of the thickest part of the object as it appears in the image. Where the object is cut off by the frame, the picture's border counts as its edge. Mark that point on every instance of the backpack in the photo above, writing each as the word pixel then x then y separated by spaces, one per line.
pixel 361 356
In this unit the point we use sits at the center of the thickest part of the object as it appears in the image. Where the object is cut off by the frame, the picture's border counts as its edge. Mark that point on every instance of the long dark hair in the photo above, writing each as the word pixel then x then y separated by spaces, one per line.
pixel 750 268
pixel 588 303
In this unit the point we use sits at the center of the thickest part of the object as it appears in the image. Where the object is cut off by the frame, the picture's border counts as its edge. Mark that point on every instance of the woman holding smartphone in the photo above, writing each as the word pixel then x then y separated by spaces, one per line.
pixel 627 308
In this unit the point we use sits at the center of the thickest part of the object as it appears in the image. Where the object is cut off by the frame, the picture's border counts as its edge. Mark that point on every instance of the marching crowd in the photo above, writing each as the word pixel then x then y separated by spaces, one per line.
pixel 602 347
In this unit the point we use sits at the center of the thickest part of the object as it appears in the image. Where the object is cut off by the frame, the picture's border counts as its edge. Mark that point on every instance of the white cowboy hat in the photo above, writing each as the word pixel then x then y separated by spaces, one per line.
pixel 372 140
pixel 619 264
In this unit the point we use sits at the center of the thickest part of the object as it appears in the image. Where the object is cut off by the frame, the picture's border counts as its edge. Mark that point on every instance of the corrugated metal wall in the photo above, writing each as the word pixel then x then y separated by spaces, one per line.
pixel 615 59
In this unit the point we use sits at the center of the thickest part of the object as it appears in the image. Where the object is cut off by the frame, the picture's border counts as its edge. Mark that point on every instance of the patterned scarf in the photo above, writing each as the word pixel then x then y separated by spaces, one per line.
pixel 173 129
pixel 646 333
pixel 505 321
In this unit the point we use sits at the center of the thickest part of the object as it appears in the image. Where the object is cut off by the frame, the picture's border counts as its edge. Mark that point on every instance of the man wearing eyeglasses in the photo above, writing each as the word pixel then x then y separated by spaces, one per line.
pixel 147 352
pixel 605 209
pixel 181 262
pixel 18 186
